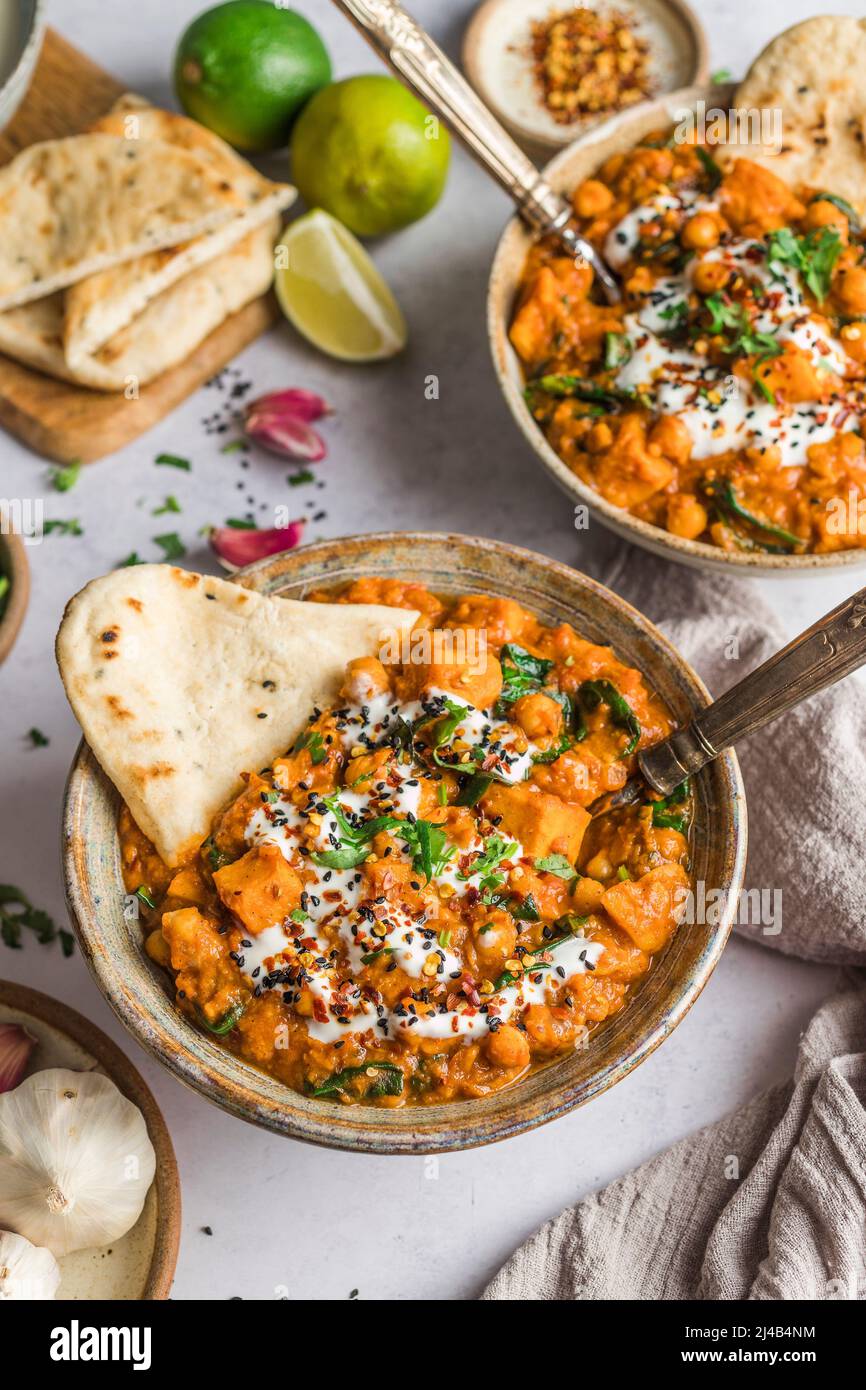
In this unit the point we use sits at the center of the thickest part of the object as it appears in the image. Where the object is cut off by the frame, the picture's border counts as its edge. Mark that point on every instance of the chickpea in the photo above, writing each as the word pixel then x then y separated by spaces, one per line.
pixel 853 337
pixel 826 214
pixel 686 517
pixel 538 715
pixel 849 287
pixel 592 198
pixel 700 233
pixel 599 438
pixel 508 1048
pixel 671 437
pixel 711 276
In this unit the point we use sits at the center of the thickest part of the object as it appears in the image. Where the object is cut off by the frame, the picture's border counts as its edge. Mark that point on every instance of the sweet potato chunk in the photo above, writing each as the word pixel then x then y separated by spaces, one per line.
pixel 206 975
pixel 648 909
pixel 260 888
pixel 542 823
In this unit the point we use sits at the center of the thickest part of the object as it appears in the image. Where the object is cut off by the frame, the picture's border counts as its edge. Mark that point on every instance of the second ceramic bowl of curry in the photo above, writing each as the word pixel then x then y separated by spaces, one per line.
pixel 141 995
pixel 568 169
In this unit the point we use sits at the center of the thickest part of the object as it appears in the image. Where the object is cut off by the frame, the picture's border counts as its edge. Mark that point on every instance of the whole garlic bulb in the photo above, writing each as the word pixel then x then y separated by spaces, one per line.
pixel 76 1161
pixel 26 1272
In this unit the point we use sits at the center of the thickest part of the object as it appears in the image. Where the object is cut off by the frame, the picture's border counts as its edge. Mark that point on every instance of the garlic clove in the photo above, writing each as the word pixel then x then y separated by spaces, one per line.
pixel 16 1044
pixel 76 1161
pixel 285 434
pixel 304 405
pixel 236 548
pixel 27 1272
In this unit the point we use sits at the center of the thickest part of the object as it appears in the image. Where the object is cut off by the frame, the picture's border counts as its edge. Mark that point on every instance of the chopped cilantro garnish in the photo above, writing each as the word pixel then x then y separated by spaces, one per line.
pixel 304 476
pixel 30 918
pixel 173 461
pixel 71 527
pixel 132 559
pixel 170 504
pixel 314 743
pixel 813 255
pixel 65 478
pixel 37 738
pixel 171 545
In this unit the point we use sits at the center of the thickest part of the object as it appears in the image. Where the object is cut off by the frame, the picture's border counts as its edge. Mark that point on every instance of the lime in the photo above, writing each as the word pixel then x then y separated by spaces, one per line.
pixel 367 151
pixel 245 69
pixel 331 291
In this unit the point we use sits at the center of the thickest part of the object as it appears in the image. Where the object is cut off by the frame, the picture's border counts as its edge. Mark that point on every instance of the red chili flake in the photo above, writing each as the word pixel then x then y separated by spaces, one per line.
pixel 320 1013
pixel 841 416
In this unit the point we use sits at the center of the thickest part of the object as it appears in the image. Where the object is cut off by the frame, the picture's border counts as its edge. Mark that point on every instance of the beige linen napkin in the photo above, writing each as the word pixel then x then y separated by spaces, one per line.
pixel 770 1203
pixel 805 776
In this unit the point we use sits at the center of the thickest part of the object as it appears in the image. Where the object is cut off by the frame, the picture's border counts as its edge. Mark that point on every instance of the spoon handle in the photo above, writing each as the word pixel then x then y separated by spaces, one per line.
pixel 422 65
pixel 828 650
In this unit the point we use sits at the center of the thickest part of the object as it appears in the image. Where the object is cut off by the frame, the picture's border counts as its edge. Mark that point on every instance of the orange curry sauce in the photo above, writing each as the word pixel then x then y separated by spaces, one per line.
pixel 722 400
pixel 412 905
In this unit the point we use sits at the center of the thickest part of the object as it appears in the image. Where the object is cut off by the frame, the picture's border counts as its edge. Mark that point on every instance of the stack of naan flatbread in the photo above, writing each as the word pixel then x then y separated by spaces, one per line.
pixel 121 249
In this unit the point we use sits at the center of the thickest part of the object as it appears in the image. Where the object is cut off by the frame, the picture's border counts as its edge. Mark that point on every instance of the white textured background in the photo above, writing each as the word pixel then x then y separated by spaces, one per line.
pixel 285 1216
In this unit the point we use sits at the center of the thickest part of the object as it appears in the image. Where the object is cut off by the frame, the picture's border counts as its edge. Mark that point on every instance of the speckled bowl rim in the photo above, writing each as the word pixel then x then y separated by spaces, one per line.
pixel 564 172
pixel 243 1090
pixel 132 1084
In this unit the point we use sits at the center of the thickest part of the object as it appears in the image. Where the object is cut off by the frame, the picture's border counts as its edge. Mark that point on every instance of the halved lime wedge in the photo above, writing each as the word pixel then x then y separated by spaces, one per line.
pixel 331 291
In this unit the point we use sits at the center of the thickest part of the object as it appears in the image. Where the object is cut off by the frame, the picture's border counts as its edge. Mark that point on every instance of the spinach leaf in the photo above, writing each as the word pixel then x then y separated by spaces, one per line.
pixel 666 819
pixel 474 789
pixel 594 693
pixel 723 493
pixel 522 673
pixel 386 1080
pixel 711 168
pixel 617 350
pixel 225 1024
pixel 563 385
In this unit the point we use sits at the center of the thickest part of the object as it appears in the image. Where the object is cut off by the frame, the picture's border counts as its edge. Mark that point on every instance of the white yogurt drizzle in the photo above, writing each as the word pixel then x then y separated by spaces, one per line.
pixel 678 379
pixel 272 959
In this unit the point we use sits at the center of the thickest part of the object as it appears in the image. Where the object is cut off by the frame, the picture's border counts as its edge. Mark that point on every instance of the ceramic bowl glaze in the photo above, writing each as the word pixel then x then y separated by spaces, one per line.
pixel 565 172
pixel 141 994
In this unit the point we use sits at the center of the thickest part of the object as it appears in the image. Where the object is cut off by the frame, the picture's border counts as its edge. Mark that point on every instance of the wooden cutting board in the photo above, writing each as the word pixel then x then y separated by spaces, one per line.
pixel 66 422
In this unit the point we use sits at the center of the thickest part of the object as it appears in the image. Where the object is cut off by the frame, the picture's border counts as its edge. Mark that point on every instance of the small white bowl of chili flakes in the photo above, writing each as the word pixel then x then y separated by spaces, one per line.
pixel 551 70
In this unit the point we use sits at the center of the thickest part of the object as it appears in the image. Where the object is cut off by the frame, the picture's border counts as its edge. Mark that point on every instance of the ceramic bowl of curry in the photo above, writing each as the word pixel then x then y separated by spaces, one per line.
pixel 713 417
pixel 485 1101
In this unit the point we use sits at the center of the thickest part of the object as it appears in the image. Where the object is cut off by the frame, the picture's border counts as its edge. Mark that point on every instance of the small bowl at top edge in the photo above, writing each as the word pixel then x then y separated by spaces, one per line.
pixel 141 995
pixel 497 59
pixel 565 172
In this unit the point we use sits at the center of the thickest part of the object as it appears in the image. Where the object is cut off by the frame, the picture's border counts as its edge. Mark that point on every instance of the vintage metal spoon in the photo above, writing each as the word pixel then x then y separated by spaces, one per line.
pixel 422 65
pixel 828 650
